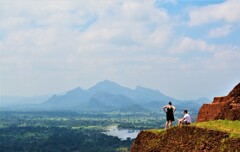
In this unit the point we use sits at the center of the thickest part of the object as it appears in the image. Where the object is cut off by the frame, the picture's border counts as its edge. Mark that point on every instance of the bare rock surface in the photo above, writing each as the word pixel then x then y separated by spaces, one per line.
pixel 226 107
pixel 186 138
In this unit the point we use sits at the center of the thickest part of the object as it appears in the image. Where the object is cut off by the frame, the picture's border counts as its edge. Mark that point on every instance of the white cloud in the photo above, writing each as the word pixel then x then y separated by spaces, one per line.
pixel 54 36
pixel 225 59
pixel 187 44
pixel 47 45
pixel 220 31
pixel 228 11
pixel 168 1
pixel 12 22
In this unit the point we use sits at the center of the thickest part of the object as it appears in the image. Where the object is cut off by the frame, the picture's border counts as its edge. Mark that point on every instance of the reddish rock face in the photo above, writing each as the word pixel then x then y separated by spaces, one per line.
pixel 185 138
pixel 227 107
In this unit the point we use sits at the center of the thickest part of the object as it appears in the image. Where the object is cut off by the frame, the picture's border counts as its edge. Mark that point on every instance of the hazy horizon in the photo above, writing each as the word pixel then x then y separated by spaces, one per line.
pixel 185 49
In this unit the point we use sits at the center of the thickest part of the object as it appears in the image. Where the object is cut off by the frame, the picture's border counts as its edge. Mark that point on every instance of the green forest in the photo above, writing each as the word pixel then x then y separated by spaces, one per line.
pixel 70 131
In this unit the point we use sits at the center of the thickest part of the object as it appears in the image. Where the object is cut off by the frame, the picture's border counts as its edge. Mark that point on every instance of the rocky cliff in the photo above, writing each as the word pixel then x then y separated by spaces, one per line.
pixel 186 138
pixel 226 107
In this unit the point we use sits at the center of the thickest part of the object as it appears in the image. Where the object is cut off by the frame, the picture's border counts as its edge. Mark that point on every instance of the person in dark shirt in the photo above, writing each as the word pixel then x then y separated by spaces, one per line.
pixel 169 110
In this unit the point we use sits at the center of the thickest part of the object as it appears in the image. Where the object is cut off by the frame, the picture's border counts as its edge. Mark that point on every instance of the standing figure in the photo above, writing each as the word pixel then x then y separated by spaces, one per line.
pixel 169 110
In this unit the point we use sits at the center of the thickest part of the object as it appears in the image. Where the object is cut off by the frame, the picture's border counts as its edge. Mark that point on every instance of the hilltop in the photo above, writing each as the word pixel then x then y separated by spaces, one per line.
pixel 200 137
pixel 205 135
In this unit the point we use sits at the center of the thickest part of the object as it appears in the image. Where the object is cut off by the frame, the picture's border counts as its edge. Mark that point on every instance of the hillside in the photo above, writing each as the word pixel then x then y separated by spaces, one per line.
pixel 201 137
pixel 220 134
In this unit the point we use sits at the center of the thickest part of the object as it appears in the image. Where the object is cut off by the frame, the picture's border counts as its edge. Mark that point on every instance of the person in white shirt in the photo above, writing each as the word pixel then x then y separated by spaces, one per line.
pixel 185 120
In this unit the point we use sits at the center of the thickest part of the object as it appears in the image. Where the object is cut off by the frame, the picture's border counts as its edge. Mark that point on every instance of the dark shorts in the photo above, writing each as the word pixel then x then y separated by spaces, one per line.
pixel 185 123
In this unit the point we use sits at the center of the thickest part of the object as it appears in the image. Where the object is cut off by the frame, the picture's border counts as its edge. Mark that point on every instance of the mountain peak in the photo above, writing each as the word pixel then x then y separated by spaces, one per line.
pixel 106 85
pixel 110 93
pixel 107 82
pixel 75 91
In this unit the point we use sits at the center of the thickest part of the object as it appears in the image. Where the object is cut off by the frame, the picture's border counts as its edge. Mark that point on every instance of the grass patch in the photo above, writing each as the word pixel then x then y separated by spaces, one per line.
pixel 232 127
pixel 122 149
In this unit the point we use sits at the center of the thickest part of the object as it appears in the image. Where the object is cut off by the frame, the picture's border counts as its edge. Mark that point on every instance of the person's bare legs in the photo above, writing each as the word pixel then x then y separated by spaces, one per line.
pixel 170 124
pixel 179 122
pixel 166 126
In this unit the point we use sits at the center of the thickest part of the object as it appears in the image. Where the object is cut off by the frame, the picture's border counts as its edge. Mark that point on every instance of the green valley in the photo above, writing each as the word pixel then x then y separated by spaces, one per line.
pixel 70 131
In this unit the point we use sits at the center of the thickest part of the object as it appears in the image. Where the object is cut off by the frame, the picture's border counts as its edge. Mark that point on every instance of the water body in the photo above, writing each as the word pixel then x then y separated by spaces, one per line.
pixel 122 134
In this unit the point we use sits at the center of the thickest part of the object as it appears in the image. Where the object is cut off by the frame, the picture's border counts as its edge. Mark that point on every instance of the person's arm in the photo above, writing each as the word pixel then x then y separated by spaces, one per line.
pixel 174 109
pixel 181 119
pixel 164 109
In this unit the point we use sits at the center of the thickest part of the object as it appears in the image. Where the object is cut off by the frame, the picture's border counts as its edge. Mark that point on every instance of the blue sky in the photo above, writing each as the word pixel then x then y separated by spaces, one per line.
pixel 184 48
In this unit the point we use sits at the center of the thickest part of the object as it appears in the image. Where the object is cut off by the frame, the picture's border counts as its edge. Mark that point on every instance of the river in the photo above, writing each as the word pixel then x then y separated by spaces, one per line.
pixel 123 134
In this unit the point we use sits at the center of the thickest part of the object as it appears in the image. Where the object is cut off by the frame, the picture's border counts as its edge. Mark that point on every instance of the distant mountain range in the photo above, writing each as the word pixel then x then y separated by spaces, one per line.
pixel 7 101
pixel 110 96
